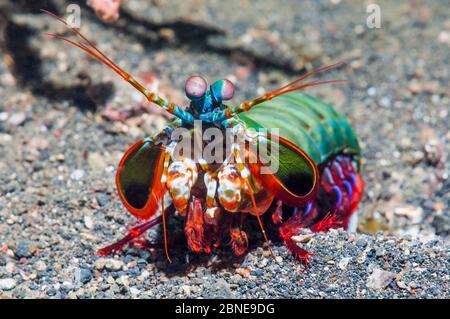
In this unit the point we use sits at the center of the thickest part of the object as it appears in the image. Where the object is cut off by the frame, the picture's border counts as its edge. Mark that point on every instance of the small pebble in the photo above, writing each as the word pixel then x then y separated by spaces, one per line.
pixel 7 284
pixel 361 242
pixel 344 262
pixel 186 290
pixel 77 174
pixel 401 285
pixel 380 279
pixel 109 264
pixel 302 239
pixel 83 275
pixel 17 119
pixel 134 291
pixel 40 266
pixel 102 199
pixel 23 250
pixel 88 222
pixel 10 267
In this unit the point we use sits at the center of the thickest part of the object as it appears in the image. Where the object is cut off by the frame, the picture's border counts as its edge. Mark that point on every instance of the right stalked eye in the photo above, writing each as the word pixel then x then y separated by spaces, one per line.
pixel 195 87
pixel 227 90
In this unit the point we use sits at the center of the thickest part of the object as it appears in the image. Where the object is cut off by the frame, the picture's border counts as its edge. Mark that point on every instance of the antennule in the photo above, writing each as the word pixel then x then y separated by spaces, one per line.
pixel 87 46
pixel 290 87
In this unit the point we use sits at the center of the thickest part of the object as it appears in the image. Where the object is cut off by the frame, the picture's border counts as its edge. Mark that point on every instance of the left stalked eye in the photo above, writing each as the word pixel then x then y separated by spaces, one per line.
pixel 227 90
pixel 195 86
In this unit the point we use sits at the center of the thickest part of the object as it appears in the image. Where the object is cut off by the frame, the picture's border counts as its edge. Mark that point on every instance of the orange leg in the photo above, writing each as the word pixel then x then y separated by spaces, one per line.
pixel 213 235
pixel 239 239
pixel 277 215
pixel 194 226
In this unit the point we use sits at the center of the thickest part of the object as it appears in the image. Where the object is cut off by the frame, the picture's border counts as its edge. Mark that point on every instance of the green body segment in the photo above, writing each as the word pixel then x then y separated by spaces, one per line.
pixel 313 125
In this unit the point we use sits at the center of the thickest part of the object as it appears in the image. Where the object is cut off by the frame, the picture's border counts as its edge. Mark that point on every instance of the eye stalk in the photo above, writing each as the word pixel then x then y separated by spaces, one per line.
pixel 222 90
pixel 195 87
pixel 227 90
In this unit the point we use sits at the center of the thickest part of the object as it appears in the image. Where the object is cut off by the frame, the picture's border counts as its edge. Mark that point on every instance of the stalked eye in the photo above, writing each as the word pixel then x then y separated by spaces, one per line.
pixel 195 87
pixel 227 90
pixel 222 90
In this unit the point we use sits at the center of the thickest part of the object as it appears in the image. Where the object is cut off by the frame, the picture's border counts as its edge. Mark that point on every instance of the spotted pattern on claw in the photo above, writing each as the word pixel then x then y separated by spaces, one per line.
pixel 212 213
pixel 230 187
pixel 211 186
pixel 181 176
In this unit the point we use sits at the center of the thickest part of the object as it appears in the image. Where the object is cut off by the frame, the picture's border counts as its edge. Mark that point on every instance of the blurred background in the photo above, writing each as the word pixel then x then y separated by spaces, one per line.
pixel 66 120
